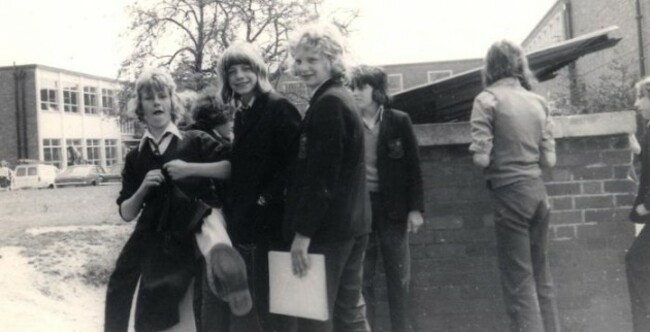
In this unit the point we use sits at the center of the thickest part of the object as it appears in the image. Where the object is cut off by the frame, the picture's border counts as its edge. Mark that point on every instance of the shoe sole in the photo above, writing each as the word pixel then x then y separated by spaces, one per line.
pixel 230 271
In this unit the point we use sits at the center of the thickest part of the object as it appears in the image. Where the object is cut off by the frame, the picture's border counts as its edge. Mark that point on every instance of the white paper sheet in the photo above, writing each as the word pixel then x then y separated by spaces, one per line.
pixel 304 297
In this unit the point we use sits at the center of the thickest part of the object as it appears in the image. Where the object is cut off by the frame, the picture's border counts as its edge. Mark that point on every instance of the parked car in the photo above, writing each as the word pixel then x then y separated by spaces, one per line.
pixel 114 173
pixel 80 175
pixel 34 176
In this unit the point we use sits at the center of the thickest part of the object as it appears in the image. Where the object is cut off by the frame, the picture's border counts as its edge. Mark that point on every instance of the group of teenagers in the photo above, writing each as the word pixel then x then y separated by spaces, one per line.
pixel 252 174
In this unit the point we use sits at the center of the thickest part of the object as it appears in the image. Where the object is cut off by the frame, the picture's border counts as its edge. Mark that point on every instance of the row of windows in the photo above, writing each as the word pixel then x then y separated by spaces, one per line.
pixel 395 83
pixel 91 99
pixel 53 151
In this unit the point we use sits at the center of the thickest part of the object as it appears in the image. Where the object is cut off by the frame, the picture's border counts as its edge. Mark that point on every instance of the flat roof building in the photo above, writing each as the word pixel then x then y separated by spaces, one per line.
pixel 55 115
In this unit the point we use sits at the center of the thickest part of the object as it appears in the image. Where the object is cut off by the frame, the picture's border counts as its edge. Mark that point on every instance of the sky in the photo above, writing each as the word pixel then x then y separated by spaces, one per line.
pixel 89 35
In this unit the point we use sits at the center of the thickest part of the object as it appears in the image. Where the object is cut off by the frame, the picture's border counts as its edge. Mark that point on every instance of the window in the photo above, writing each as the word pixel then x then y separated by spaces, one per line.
pixel 70 98
pixel 49 96
pixel 90 100
pixel 296 91
pixel 110 147
pixel 127 127
pixel 93 151
pixel 395 83
pixel 52 152
pixel 294 88
pixel 436 75
pixel 74 146
pixel 108 101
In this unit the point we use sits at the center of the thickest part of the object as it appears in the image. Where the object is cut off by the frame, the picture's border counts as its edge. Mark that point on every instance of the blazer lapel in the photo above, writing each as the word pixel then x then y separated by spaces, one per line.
pixel 384 131
pixel 319 92
pixel 256 113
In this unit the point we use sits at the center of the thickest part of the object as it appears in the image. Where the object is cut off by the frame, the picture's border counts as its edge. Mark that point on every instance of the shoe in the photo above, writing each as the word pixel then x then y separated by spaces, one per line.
pixel 230 280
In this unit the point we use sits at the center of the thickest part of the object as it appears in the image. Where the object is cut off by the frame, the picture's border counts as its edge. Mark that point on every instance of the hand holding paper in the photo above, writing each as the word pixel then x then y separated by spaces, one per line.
pixel 299 256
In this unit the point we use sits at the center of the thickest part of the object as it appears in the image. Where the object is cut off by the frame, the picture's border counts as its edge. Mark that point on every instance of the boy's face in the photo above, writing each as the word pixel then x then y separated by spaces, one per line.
pixel 312 66
pixel 363 96
pixel 242 80
pixel 157 108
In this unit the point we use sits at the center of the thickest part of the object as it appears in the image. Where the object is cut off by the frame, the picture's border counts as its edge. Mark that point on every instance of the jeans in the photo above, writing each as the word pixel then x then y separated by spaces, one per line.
pixel 521 223
pixel 343 265
pixel 637 265
pixel 390 238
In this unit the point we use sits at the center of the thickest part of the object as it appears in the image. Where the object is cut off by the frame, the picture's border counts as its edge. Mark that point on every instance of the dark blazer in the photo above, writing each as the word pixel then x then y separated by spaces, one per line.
pixel 260 157
pixel 643 195
pixel 327 194
pixel 398 166
pixel 161 246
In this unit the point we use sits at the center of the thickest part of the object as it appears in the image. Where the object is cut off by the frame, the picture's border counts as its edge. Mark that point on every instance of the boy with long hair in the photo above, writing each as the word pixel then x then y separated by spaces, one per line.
pixel 511 140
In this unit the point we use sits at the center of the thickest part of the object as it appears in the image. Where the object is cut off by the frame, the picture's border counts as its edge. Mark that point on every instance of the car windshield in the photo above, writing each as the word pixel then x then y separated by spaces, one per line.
pixel 78 171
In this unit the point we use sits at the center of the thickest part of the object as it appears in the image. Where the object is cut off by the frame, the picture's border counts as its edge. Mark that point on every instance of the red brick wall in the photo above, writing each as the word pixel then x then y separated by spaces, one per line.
pixel 455 281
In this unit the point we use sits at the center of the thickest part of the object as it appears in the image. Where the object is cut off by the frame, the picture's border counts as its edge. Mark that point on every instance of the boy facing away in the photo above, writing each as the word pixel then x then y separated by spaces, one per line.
pixel 512 140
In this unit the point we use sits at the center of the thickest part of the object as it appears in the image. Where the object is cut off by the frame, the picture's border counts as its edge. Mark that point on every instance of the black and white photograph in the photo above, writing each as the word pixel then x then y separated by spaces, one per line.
pixel 325 166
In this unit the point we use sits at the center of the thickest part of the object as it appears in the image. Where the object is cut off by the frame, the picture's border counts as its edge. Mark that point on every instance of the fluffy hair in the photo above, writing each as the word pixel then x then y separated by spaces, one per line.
pixel 507 59
pixel 243 54
pixel 374 77
pixel 209 111
pixel 639 87
pixel 153 80
pixel 325 39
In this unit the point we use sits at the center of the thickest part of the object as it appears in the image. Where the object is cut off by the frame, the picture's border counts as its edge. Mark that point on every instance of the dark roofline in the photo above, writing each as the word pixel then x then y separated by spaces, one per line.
pixel 428 62
pixel 542 21
pixel 66 71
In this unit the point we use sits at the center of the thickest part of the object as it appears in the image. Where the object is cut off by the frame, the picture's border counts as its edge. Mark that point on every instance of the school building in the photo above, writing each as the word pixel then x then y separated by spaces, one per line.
pixel 400 77
pixel 567 19
pixel 51 114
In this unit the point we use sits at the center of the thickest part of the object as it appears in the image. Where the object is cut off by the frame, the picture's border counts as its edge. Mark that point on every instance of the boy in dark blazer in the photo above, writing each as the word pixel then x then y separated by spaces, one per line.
pixel 162 254
pixel 637 259
pixel 394 181
pixel 265 125
pixel 325 211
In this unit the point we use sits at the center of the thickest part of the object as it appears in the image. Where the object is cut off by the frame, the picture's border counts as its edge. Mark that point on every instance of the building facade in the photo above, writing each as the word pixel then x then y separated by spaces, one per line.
pixel 59 117
pixel 400 77
pixel 609 69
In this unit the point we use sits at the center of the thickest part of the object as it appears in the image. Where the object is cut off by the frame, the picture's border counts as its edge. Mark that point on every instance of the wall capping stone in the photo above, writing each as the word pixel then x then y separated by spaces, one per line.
pixel 599 124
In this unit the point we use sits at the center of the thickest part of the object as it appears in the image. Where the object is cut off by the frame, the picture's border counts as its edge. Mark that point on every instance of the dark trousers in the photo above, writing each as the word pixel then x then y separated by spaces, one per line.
pixel 214 312
pixel 637 265
pixel 521 222
pixel 343 265
pixel 390 238
pixel 259 318
pixel 122 284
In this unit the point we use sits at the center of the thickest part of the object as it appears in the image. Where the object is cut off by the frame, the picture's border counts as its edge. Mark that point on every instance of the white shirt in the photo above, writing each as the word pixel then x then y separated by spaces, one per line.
pixel 162 144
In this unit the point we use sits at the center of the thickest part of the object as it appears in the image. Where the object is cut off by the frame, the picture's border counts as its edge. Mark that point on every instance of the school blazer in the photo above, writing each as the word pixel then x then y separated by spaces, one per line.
pixel 327 195
pixel 260 158
pixel 398 166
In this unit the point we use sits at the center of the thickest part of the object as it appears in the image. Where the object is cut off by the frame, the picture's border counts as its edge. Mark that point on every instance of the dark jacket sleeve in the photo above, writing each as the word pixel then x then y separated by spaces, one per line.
pixel 324 156
pixel 285 128
pixel 643 195
pixel 414 179
pixel 210 149
pixel 130 183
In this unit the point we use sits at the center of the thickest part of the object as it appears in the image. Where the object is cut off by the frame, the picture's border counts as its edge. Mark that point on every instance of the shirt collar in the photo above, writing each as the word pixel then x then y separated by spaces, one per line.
pixel 379 116
pixel 509 81
pixel 240 105
pixel 171 128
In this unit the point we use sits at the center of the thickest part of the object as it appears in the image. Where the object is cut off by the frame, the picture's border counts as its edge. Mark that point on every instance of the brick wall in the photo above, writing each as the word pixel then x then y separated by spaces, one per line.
pixel 8 149
pixel 8 125
pixel 455 282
